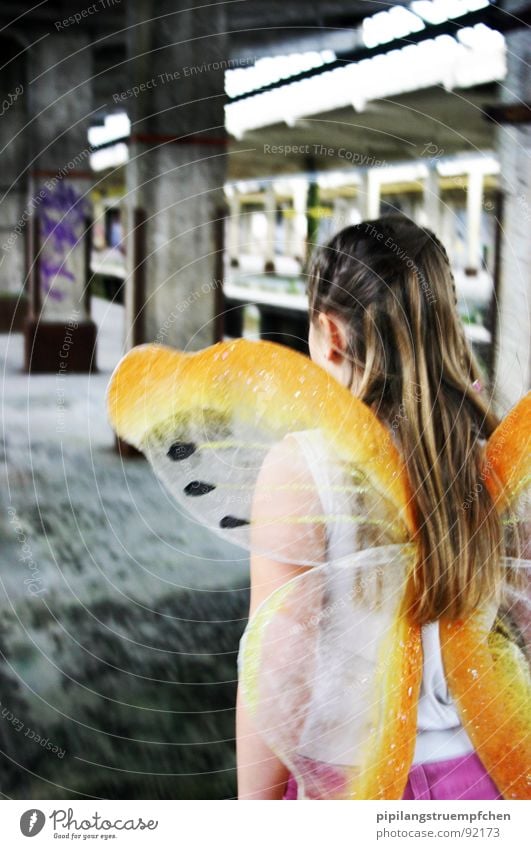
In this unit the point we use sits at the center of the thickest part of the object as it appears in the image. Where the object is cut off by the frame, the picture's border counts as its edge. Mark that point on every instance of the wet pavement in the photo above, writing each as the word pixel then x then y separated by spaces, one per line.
pixel 120 617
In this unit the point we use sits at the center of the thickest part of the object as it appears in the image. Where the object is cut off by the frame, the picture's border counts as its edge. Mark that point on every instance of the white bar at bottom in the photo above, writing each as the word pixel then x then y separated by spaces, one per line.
pixel 275 825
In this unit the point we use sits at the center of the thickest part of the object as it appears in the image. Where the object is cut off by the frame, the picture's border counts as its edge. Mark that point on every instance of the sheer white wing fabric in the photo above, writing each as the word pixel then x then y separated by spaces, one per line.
pixel 225 471
pixel 311 664
pixel 312 658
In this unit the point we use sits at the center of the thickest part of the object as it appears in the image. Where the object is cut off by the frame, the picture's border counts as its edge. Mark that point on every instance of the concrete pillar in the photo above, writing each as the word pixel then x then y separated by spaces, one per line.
pixel 340 214
pixel 474 210
pixel 513 355
pixel 13 189
pixel 447 228
pixel 369 196
pixel 234 231
pixel 300 220
pixel 59 333
pixel 98 232
pixel 432 201
pixel 245 232
pixel 270 209
pixel 290 238
pixel 176 172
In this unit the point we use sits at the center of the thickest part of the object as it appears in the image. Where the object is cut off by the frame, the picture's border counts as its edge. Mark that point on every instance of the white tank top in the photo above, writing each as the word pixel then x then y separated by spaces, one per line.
pixel 440 734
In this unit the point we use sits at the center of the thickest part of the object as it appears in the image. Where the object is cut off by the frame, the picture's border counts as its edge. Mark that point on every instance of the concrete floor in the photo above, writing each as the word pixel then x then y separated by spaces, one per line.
pixel 119 617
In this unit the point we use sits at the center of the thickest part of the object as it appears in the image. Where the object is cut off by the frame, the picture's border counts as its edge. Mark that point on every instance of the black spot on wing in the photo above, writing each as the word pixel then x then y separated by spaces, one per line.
pixel 232 522
pixel 181 450
pixel 198 488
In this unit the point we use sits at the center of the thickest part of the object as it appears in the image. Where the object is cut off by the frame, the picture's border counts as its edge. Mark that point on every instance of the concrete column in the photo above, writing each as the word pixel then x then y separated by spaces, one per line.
pixel 474 210
pixel 270 209
pixel 245 233
pixel 300 220
pixel 176 172
pixel 340 214
pixel 447 228
pixel 370 194
pixel 290 240
pixel 234 231
pixel 98 234
pixel 513 355
pixel 432 201
pixel 13 190
pixel 59 104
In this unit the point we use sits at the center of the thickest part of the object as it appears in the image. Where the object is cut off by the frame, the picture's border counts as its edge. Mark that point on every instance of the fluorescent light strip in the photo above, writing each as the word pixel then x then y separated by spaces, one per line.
pixel 478 57
pixel 271 69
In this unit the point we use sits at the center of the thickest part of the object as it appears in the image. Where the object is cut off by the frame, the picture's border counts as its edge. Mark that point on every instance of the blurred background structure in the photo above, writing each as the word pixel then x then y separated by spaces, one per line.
pixel 167 171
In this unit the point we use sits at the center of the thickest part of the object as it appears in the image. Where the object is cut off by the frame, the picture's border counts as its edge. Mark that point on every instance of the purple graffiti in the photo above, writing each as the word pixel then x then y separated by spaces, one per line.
pixel 62 223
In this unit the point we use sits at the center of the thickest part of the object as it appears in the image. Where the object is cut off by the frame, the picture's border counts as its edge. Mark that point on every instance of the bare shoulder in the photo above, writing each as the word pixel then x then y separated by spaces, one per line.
pixel 284 463
pixel 284 481
pixel 287 532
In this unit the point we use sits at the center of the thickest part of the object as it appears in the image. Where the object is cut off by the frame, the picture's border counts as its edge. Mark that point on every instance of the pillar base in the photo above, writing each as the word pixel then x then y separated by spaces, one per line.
pixel 56 346
pixel 13 313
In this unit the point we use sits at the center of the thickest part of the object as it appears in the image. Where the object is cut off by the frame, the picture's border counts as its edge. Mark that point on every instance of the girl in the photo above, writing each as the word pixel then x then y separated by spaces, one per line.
pixel 397 666
pixel 384 323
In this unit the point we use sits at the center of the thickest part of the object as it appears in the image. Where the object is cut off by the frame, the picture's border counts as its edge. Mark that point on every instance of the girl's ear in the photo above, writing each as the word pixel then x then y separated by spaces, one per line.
pixel 334 336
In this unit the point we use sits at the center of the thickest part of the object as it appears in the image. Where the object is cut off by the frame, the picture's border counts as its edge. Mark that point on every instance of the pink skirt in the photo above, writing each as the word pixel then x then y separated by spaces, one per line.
pixel 458 778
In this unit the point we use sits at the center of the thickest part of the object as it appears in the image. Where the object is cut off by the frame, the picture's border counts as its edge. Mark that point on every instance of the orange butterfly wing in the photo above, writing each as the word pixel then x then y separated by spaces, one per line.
pixel 487 656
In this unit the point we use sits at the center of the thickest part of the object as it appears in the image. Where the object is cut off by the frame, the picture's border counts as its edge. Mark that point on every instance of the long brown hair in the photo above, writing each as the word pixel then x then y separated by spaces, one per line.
pixel 391 282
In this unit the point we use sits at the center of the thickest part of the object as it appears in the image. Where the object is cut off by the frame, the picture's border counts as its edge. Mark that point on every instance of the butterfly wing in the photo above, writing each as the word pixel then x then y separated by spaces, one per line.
pixel 207 422
pixel 240 434
pixel 487 657
pixel 334 695
pixel 507 470
pixel 330 672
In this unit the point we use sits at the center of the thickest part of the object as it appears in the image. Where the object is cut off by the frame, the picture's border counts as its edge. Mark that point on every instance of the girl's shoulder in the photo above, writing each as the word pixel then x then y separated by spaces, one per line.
pixel 286 506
